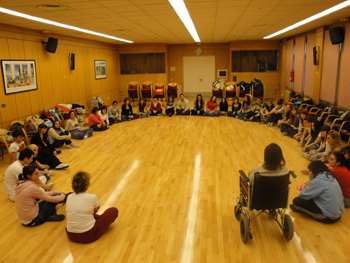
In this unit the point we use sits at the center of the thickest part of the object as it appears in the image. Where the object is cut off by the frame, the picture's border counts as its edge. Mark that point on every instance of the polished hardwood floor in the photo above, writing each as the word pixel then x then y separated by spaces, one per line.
pixel 175 183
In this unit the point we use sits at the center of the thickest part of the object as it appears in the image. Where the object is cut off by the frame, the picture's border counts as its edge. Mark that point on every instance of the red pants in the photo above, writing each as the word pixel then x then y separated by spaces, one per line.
pixel 102 223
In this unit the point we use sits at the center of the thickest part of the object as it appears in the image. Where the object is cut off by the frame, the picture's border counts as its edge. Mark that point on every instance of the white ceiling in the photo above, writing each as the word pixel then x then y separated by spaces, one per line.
pixel 154 21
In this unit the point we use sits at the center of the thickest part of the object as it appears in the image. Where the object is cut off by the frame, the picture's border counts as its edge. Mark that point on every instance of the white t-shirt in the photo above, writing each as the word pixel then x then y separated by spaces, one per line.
pixel 11 178
pixel 80 212
pixel 17 148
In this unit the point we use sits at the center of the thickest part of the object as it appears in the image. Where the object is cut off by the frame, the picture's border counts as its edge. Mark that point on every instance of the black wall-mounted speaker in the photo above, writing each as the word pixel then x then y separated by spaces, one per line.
pixel 337 35
pixel 51 45
pixel 315 55
pixel 72 61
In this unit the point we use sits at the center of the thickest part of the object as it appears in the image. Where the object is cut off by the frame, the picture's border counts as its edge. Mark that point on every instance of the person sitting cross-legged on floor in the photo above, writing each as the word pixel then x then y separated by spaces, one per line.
pixel 84 225
pixel 57 137
pixel 73 127
pixel 183 106
pixel 96 122
pixel 155 108
pixel 322 198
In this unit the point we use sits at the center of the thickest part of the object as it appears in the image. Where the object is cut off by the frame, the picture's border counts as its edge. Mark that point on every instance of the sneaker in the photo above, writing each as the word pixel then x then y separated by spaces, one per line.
pixel 75 145
pixel 61 166
pixel 68 146
pixel 293 208
pixel 55 218
pixel 270 124
pixel 85 137
pixel 285 133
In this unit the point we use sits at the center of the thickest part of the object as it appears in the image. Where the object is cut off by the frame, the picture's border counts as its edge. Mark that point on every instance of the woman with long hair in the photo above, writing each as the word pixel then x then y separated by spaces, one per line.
pixel 236 107
pixel 198 106
pixel 30 211
pixel 322 198
pixel 57 137
pixel 170 106
pixel 274 163
pixel 211 107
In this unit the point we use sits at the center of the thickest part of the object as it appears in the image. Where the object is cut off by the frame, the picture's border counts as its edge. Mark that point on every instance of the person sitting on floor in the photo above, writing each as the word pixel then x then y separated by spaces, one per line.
pixel 336 164
pixel 84 225
pixel 223 105
pixel 155 108
pixel 322 198
pixel 183 106
pixel 127 112
pixel 246 107
pixel 236 107
pixel 277 114
pixel 29 211
pixel 143 112
pixel 17 145
pixel 346 151
pixel 198 106
pixel 170 106
pixel 15 169
pixel 211 108
pixel 104 115
pixel 73 127
pixel 114 114
pixel 255 113
pixel 274 163
pixel 95 121
pixel 47 154
pixel 57 137
pixel 42 168
pixel 266 112
pixel 286 116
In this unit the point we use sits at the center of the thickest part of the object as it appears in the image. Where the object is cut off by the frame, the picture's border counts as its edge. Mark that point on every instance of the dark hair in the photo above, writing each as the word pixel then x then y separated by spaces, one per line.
pixel 171 97
pixel 25 153
pixel 70 112
pixel 317 167
pixel 80 182
pixel 325 128
pixel 104 108
pixel 346 149
pixel 126 100
pixel 42 126
pixel 115 102
pixel 305 113
pixel 292 117
pixel 211 99
pixel 27 170
pixel 248 99
pixel 316 131
pixel 339 157
pixel 17 133
pixel 182 94
pixel 273 157
pixel 235 98
pixel 54 125
pixel 196 101
pixel 94 110
pixel 280 102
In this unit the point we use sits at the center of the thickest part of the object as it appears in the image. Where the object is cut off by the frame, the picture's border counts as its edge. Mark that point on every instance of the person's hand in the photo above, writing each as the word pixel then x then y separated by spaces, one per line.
pixel 183 111
pixel 131 116
pixel 198 111
pixel 154 111
pixel 295 136
pixel 303 149
pixel 46 171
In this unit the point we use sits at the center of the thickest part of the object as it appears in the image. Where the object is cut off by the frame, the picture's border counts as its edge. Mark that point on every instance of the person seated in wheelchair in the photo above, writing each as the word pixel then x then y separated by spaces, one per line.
pixel 274 163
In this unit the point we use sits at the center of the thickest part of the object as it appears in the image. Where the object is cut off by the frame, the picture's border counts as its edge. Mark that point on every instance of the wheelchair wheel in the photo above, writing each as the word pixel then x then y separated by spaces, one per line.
pixel 238 212
pixel 288 229
pixel 245 229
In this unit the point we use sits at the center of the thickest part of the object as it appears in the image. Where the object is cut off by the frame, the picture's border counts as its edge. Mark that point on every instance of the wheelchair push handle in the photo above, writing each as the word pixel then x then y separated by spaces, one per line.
pixel 293 174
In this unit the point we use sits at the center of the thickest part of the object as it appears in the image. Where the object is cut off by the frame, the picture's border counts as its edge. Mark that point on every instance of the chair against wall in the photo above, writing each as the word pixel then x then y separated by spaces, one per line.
pixel 242 91
pixel 172 89
pixel 134 90
pixel 259 91
pixel 230 89
pixel 4 144
pixel 146 90
pixel 159 90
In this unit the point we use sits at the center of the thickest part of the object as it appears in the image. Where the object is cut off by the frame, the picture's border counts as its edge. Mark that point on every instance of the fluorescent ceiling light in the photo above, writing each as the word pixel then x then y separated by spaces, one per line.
pixel 45 21
pixel 181 10
pixel 311 18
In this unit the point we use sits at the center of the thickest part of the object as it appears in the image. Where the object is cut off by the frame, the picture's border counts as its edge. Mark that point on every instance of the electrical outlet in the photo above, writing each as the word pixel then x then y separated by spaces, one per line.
pixel 3 105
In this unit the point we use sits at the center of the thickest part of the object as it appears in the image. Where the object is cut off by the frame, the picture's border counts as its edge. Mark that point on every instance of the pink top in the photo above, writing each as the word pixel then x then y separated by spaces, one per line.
pixel 95 119
pixel 26 193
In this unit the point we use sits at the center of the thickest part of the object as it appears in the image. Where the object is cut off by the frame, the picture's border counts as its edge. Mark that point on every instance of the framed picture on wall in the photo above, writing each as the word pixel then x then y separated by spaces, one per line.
pixel 18 75
pixel 100 69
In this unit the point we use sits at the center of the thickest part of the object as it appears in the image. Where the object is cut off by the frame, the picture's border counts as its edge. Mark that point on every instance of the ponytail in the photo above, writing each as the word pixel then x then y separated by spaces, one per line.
pixel 27 170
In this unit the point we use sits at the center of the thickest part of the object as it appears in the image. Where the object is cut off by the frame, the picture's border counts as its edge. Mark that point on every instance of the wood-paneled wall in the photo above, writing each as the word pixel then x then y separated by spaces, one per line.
pixel 56 82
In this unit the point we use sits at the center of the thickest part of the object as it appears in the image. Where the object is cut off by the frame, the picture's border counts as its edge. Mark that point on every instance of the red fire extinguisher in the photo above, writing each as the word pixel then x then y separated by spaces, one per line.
pixel 291 78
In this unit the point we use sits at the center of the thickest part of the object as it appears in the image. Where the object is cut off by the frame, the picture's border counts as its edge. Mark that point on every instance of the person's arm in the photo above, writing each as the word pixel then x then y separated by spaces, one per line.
pixel 109 113
pixel 159 106
pixel 311 191
pixel 47 196
pixel 56 136
pixel 95 119
pixel 13 156
pixel 96 209
pixel 187 105
pixel 206 106
pixel 68 125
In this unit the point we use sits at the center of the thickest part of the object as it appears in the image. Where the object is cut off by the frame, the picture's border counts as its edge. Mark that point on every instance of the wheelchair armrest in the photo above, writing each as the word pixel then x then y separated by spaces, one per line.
pixel 293 174
pixel 244 176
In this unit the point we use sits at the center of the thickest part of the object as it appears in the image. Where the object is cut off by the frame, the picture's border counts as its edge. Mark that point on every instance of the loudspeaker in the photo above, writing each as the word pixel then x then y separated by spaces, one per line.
pixel 51 45
pixel 337 35
pixel 72 61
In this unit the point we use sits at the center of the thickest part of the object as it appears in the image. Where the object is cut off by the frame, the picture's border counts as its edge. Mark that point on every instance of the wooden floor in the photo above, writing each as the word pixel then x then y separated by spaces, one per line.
pixel 175 183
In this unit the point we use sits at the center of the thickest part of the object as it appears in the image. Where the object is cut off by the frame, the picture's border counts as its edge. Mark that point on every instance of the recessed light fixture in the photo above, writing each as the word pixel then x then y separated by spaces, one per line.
pixel 45 21
pixel 181 10
pixel 311 18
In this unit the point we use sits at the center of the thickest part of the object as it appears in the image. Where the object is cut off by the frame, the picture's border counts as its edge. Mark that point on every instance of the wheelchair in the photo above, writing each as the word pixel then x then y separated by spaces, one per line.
pixel 269 194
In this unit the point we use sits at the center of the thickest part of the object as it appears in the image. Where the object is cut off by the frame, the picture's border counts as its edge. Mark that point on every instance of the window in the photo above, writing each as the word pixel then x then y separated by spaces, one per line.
pixel 255 61
pixel 144 63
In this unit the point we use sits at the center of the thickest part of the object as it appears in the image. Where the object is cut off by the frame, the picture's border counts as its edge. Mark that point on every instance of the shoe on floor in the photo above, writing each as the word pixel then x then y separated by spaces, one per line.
pixel 85 137
pixel 68 146
pixel 55 218
pixel 293 208
pixel 74 145
pixel 58 151
pixel 61 166
pixel 285 133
